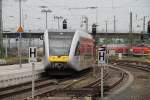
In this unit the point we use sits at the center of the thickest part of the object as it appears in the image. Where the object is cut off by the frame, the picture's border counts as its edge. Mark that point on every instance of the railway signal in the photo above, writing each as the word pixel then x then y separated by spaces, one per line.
pixel 19 32
pixel 32 55
pixel 101 61
pixel 64 24
pixel 94 30
pixel 32 60
pixel 148 27
pixel 101 55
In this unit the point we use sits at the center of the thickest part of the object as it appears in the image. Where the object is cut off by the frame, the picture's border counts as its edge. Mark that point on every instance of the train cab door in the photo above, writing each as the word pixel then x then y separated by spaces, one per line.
pixel 77 55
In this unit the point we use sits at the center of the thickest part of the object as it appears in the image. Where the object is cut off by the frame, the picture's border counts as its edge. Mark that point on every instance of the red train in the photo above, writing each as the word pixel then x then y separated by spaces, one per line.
pixel 135 50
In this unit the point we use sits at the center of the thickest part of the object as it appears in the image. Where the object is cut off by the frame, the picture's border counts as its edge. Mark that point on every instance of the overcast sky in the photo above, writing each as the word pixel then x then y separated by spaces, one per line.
pixel 34 19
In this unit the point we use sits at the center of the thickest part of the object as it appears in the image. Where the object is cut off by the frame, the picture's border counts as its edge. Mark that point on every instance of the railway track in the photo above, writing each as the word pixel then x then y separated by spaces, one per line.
pixel 43 85
pixel 90 89
pixel 23 90
pixel 93 88
pixel 49 87
pixel 134 65
pixel 67 88
pixel 67 84
pixel 96 83
pixel 139 66
pixel 139 86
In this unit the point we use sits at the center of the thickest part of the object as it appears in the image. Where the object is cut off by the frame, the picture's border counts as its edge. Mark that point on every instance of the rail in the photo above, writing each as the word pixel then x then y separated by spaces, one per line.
pixel 134 65
pixel 51 87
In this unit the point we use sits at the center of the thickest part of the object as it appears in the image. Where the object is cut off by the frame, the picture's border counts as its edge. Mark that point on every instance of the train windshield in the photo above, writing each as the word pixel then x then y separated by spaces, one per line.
pixel 60 43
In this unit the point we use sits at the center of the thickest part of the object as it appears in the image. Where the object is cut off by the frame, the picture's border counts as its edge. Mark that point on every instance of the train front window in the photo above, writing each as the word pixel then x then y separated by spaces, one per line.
pixel 60 44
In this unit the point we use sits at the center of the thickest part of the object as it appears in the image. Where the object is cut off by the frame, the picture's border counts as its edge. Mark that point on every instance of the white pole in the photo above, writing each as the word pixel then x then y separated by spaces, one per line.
pixel 6 54
pixel 102 83
pixel 96 16
pixel 33 84
pixel 46 19
pixel 20 7
pixel 20 50
pixel 144 24
pixel 106 22
pixel 114 24
pixel 17 42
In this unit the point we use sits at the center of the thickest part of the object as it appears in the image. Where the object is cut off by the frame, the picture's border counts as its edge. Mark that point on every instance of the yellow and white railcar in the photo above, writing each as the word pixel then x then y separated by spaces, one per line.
pixel 67 52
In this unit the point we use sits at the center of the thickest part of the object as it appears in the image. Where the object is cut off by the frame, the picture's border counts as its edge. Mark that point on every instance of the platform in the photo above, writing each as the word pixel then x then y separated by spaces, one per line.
pixel 13 74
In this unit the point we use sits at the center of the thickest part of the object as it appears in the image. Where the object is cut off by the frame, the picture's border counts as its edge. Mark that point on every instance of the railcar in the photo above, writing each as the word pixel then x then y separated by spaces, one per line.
pixel 138 50
pixel 135 50
pixel 67 52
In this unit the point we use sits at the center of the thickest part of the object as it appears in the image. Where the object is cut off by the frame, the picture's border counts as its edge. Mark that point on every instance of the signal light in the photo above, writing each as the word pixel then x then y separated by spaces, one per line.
pixel 148 27
pixel 64 24
pixel 94 31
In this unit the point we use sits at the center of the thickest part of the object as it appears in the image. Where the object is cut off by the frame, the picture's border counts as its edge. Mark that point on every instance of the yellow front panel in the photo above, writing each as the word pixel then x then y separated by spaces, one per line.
pixel 58 58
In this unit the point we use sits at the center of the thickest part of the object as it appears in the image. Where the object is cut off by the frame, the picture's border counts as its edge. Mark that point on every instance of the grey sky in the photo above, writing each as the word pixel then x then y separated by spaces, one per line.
pixel 106 10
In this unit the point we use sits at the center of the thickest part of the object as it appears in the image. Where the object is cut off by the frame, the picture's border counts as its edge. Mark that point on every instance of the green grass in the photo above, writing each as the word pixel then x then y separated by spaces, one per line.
pixel 11 60
pixel 15 60
pixel 133 58
pixel 143 59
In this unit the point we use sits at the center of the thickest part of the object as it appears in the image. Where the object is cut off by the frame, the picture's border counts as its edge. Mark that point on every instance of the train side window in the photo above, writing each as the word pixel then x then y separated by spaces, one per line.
pixel 77 51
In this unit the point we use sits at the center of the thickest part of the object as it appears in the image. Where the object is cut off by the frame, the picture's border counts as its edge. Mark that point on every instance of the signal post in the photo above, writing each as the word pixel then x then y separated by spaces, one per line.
pixel 19 36
pixel 101 64
pixel 32 60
